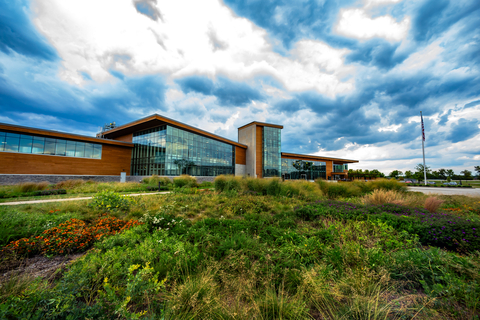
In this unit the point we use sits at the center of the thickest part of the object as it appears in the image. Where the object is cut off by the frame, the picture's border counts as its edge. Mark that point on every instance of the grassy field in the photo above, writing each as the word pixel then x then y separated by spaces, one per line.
pixel 251 249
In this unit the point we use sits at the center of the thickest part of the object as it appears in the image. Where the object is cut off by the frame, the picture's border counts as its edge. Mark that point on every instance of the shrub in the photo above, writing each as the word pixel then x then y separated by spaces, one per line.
pixel 155 180
pixel 233 184
pixel 185 181
pixel 110 201
pixel 256 185
pixel 273 186
pixel 338 190
pixel 220 182
pixel 386 184
pixel 432 204
pixel 382 196
pixel 141 286
pixel 49 192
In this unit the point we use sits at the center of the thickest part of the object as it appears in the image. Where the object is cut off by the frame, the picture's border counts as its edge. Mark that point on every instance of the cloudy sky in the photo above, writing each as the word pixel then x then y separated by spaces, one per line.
pixel 347 80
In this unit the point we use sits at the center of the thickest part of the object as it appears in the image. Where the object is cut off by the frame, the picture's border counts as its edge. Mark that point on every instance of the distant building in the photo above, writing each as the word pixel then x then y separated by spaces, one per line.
pixel 162 146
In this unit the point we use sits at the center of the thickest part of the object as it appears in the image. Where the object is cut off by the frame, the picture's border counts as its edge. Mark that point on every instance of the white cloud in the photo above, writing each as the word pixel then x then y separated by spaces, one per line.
pixel 193 37
pixel 356 23
pixel 392 127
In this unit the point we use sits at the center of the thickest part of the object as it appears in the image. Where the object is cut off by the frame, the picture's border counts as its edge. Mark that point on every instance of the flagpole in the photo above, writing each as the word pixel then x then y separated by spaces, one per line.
pixel 423 150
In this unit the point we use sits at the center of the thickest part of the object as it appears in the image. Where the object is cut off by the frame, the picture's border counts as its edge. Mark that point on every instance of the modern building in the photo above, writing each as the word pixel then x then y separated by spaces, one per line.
pixel 162 146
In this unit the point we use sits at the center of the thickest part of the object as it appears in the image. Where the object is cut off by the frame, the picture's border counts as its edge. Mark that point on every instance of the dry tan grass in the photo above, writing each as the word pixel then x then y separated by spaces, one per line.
pixel 32 186
pixel 432 204
pixel 380 196
pixel 70 184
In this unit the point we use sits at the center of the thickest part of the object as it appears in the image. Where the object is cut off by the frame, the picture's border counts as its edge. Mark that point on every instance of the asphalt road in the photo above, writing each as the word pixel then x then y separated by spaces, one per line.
pixel 471 192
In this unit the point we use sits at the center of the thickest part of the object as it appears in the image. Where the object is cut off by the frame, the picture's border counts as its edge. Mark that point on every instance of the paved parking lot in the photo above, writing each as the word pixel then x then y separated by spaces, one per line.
pixel 448 191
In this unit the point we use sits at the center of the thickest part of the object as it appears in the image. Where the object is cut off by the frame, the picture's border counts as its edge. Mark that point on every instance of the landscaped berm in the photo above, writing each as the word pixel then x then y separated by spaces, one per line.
pixel 239 249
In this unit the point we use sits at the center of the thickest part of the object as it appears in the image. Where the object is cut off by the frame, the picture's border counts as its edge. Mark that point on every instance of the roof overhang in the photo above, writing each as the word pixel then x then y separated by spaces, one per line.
pixel 317 158
pixel 60 135
pixel 158 120
pixel 262 124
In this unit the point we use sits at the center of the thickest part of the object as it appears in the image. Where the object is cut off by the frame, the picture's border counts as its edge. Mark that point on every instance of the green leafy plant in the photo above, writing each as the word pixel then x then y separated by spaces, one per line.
pixel 111 201
pixel 139 295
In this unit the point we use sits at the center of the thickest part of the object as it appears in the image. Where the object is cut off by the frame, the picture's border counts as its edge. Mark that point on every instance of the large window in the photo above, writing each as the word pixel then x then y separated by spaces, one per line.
pixel 272 144
pixel 340 167
pixel 302 169
pixel 167 150
pixel 24 143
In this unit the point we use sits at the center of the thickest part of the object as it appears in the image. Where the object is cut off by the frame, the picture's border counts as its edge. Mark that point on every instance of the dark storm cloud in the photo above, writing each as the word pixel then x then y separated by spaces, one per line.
pixel 377 52
pixel 88 108
pixel 433 17
pixel 463 130
pixel 305 19
pixel 316 20
pixel 18 34
pixel 291 105
pixel 228 93
pixel 201 85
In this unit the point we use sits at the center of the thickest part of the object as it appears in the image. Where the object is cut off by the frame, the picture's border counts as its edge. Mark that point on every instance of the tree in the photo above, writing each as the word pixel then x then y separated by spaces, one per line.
pixel 377 174
pixel 450 173
pixel 395 174
pixel 408 174
pixel 442 173
pixel 477 169
pixel 419 168
pixel 419 173
pixel 467 174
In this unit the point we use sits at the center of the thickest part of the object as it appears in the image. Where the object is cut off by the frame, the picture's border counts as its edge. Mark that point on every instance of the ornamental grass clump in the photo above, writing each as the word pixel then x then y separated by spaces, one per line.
pixel 69 237
pixel 156 180
pixel 32 186
pixel 185 181
pixel 432 204
pixel 381 196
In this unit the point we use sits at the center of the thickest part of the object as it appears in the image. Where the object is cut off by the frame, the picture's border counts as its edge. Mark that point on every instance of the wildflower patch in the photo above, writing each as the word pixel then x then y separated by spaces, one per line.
pixel 69 237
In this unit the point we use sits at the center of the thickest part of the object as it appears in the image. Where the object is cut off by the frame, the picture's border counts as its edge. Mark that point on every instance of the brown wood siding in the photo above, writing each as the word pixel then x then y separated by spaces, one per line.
pixel 240 156
pixel 114 160
pixel 58 135
pixel 259 152
pixel 263 124
pixel 125 138
pixel 329 168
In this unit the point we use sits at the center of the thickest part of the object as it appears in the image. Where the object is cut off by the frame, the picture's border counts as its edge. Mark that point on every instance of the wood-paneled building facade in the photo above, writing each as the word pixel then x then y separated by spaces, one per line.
pixel 162 146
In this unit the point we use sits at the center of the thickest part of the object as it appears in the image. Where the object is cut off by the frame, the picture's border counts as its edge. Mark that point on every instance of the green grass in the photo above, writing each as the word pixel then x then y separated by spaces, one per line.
pixel 244 253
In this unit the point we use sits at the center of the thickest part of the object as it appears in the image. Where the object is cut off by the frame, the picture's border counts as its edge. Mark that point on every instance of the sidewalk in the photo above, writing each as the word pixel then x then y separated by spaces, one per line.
pixel 72 199
pixel 447 191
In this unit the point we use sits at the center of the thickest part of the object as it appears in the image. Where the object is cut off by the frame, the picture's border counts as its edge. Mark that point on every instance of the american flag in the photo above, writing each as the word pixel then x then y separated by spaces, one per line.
pixel 423 128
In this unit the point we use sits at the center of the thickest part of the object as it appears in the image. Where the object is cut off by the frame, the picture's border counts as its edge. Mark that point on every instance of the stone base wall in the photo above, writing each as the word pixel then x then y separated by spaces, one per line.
pixel 10 179
pixel 240 170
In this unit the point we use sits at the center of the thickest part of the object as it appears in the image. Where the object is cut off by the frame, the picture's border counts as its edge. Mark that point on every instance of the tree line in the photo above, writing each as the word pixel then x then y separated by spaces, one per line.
pixel 443 174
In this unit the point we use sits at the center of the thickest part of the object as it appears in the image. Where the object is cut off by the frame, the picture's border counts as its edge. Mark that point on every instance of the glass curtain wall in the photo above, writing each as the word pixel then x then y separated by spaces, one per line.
pixel 272 157
pixel 24 143
pixel 339 167
pixel 301 169
pixel 171 151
